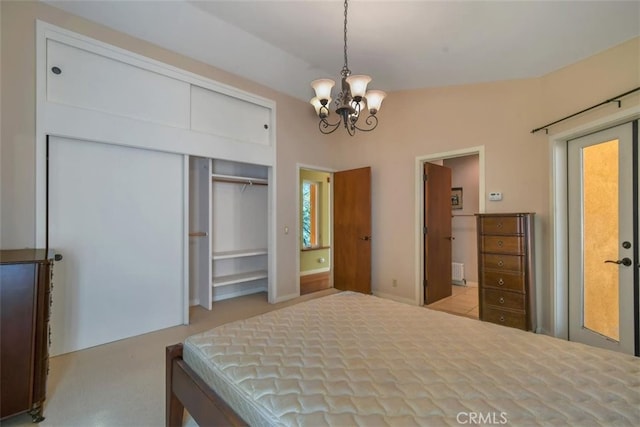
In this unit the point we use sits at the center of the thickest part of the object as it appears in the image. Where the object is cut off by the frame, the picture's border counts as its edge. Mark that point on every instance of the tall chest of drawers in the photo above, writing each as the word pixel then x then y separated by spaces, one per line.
pixel 25 287
pixel 506 269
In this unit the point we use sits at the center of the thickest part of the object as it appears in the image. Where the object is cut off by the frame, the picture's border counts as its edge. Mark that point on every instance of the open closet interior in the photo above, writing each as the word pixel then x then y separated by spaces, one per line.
pixel 229 223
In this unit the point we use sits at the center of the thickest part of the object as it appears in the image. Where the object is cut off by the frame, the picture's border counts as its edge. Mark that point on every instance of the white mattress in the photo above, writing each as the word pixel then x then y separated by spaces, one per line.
pixel 355 360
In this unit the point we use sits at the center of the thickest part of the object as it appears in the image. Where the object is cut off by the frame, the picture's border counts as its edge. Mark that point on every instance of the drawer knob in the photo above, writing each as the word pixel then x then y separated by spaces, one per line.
pixel 56 70
pixel 502 318
pixel 501 263
pixel 500 281
pixel 500 243
pixel 501 300
pixel 499 225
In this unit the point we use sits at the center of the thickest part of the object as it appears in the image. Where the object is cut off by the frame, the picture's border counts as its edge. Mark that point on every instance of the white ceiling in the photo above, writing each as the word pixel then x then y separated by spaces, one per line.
pixel 401 44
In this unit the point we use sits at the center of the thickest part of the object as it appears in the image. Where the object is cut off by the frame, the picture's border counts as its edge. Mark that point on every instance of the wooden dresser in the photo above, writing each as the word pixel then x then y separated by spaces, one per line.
pixel 25 289
pixel 506 269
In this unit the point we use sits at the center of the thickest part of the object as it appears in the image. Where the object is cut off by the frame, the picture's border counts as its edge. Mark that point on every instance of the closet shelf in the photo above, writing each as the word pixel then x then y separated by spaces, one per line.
pixel 239 179
pixel 239 278
pixel 238 254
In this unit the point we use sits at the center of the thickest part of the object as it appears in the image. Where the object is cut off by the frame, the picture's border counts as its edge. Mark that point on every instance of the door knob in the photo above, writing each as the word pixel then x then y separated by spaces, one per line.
pixel 624 261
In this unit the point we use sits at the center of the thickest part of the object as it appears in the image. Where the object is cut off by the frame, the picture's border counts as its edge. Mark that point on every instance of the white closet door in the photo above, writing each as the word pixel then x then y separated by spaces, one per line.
pixel 117 216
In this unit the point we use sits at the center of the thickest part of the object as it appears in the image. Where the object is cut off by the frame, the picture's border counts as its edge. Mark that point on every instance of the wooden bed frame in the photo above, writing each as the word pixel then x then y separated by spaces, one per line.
pixel 186 390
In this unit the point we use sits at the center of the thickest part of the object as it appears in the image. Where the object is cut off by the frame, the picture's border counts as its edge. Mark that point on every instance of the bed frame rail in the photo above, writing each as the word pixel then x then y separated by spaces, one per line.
pixel 186 390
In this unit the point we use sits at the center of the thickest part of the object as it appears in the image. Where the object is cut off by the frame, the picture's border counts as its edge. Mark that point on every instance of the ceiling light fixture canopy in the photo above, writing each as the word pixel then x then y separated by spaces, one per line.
pixel 352 100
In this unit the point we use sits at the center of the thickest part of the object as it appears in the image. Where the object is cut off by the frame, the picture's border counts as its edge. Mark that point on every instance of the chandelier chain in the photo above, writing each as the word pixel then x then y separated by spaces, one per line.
pixel 345 69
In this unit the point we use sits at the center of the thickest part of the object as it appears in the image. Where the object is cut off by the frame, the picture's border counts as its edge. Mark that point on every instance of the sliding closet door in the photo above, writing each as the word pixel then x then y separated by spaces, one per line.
pixel 117 215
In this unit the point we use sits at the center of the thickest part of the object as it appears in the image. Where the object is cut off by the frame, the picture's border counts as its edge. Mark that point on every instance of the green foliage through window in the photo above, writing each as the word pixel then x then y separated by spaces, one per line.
pixel 309 216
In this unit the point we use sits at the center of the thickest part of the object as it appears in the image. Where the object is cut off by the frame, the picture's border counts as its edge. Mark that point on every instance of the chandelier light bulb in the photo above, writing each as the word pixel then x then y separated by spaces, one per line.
pixel 358 85
pixel 374 100
pixel 323 87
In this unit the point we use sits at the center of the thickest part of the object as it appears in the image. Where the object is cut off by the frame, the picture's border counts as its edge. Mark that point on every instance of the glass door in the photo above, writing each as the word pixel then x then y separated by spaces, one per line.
pixel 601 265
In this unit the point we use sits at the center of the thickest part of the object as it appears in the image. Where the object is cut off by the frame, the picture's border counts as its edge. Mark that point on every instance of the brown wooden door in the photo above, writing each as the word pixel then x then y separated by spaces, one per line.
pixel 352 230
pixel 437 238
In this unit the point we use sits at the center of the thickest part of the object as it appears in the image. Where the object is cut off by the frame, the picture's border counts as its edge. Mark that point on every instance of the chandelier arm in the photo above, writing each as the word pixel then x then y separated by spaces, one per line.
pixel 323 125
pixel 371 121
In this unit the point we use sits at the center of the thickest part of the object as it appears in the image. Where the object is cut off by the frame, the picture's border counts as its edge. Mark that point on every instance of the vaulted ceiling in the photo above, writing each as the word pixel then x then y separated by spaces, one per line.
pixel 401 44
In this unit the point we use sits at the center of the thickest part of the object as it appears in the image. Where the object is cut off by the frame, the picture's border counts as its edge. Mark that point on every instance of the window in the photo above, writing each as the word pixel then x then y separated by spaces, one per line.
pixel 310 215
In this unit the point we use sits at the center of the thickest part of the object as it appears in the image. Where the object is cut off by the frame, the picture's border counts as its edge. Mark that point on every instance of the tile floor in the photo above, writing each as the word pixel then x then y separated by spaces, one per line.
pixel 463 302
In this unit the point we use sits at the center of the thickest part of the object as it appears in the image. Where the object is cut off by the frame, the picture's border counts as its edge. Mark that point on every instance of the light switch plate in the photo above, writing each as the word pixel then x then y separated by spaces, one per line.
pixel 495 196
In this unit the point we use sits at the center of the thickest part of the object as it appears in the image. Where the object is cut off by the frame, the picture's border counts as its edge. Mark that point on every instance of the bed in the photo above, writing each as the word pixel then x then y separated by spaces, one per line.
pixel 350 359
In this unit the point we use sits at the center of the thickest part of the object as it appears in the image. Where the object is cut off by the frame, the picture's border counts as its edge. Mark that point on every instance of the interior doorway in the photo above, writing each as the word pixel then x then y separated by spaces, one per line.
pixel 465 199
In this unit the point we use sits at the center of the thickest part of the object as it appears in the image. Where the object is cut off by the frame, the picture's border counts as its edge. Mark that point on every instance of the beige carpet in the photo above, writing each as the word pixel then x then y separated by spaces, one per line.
pixel 122 383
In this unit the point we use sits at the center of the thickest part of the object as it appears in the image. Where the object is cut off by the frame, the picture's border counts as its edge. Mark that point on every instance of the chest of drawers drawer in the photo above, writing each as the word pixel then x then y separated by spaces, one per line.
pixel 500 225
pixel 504 299
pixel 503 280
pixel 513 263
pixel 502 244
pixel 505 317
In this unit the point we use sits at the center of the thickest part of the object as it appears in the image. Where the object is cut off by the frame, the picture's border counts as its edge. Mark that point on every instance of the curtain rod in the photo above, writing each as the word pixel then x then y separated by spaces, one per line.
pixel 614 99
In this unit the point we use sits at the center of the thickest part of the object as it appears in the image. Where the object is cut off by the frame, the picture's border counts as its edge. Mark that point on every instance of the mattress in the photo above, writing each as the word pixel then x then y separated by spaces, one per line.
pixel 350 359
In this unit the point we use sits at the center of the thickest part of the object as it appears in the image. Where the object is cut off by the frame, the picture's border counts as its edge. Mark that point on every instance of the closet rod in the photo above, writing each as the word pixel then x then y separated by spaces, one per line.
pixel 247 181
pixel 198 234
pixel 614 99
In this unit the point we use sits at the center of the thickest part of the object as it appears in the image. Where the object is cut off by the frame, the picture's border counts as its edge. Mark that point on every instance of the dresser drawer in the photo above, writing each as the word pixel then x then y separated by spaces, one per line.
pixel 504 299
pixel 500 225
pixel 503 262
pixel 505 317
pixel 503 244
pixel 503 280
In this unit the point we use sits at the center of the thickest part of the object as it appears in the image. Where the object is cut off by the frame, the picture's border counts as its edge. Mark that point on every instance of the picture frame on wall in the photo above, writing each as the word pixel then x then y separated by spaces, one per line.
pixel 456 198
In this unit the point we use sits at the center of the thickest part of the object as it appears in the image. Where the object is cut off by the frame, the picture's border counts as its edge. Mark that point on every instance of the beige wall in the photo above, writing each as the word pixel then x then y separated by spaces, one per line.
pixel 498 116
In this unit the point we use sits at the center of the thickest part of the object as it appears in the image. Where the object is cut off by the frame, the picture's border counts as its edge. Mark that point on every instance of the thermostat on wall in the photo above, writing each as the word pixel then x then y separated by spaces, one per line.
pixel 495 196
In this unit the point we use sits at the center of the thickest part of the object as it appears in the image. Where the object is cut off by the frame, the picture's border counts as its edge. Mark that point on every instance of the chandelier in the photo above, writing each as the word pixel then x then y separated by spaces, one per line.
pixel 352 101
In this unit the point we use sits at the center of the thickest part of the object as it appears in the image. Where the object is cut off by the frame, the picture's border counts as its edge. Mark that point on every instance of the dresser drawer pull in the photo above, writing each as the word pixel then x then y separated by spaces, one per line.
pixel 501 263
pixel 499 225
pixel 501 281
pixel 502 318
pixel 500 243
pixel 501 300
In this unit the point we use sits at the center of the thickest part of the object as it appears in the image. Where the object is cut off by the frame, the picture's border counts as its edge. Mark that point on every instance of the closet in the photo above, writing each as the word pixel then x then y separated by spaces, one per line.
pixel 152 181
pixel 229 229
